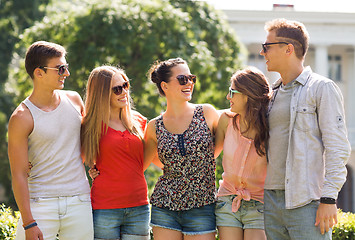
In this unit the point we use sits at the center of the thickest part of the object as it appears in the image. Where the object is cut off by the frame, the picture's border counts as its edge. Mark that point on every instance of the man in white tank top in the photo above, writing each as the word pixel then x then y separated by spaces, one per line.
pixel 54 195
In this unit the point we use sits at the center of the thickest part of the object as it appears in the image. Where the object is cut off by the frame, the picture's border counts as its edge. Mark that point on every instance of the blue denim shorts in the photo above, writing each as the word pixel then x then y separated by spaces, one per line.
pixel 195 221
pixel 249 215
pixel 122 223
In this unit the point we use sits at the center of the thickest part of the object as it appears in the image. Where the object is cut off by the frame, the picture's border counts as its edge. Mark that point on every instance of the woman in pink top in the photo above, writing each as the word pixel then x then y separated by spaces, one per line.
pixel 242 134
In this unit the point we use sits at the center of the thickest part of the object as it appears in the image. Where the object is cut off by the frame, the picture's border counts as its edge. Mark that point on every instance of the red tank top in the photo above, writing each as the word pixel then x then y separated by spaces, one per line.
pixel 121 183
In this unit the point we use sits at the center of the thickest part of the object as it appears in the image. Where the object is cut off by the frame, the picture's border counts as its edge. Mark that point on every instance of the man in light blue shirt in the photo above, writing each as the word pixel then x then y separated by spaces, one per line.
pixel 308 146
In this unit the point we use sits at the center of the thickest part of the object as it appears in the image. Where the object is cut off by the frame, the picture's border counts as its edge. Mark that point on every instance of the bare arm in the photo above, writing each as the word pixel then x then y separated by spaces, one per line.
pixel 150 147
pixel 211 116
pixel 20 126
pixel 220 134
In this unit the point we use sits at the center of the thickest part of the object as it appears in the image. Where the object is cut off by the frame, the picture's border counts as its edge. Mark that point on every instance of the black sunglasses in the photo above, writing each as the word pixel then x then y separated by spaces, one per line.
pixel 264 45
pixel 61 69
pixel 118 89
pixel 183 79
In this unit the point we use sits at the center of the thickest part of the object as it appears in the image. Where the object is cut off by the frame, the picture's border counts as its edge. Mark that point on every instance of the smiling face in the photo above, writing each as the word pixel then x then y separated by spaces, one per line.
pixel 275 53
pixel 121 100
pixel 173 87
pixel 238 102
pixel 50 77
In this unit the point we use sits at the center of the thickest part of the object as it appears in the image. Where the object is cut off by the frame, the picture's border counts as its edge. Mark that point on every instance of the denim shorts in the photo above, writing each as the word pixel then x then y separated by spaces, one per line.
pixel 122 223
pixel 249 215
pixel 196 221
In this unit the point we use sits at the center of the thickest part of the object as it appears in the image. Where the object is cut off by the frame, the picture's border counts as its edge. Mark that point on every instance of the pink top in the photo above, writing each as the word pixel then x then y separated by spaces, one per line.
pixel 244 170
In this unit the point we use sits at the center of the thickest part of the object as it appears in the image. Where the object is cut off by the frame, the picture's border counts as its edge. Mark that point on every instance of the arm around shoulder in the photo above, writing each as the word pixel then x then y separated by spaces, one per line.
pixel 211 116
pixel 220 133
pixel 150 146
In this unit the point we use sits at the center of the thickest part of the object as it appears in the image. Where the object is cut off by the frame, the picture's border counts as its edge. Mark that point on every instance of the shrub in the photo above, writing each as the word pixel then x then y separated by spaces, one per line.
pixel 8 222
pixel 345 229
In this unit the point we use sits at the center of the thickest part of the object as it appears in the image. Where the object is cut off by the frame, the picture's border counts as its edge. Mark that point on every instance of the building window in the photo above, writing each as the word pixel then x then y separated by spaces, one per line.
pixel 334 67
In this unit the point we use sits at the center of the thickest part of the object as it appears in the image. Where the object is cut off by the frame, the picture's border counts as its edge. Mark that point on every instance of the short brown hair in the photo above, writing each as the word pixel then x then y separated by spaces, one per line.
pixel 39 53
pixel 290 31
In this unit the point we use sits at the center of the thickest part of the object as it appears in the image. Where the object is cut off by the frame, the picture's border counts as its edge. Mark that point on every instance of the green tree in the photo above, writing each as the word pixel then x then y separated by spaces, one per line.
pixel 133 34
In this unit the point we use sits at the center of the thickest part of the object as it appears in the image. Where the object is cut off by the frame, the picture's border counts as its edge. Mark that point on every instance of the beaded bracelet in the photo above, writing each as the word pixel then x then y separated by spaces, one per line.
pixel 30 225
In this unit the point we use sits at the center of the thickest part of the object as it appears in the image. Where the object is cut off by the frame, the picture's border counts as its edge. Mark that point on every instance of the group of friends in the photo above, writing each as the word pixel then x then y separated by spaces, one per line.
pixel 284 146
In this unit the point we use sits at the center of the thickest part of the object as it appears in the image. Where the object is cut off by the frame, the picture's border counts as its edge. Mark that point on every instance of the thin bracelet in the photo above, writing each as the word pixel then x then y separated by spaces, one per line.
pixel 29 222
pixel 30 225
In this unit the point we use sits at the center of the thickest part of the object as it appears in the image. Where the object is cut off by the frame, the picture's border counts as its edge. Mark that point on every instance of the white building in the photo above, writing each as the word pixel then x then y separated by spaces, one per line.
pixel 331 53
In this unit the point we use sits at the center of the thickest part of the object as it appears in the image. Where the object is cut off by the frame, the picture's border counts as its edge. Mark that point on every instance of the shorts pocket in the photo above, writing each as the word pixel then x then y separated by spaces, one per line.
pixel 84 198
pixel 220 205
pixel 259 207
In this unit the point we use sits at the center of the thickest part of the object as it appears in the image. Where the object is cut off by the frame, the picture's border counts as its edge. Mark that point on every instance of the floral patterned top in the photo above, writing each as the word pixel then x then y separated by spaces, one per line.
pixel 188 180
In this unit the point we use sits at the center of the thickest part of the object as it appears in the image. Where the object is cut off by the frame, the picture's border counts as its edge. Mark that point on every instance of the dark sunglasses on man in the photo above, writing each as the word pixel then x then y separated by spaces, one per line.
pixel 61 69
pixel 265 45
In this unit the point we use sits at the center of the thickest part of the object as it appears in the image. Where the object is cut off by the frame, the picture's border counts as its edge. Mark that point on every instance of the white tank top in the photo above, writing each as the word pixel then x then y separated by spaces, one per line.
pixel 54 151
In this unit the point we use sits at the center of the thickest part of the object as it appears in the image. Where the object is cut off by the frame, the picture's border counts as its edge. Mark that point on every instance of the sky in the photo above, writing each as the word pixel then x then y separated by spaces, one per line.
pixel 299 5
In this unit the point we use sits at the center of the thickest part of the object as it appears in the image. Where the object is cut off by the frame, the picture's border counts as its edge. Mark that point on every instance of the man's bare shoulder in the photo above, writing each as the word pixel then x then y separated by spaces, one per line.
pixel 21 119
pixel 75 98
pixel 72 95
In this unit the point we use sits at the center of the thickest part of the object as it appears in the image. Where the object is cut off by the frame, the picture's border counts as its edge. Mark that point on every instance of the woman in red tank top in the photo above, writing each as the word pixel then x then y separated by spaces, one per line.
pixel 112 143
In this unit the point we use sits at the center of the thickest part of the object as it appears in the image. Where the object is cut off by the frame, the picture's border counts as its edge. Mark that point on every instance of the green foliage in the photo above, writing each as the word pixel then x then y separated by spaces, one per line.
pixel 345 228
pixel 134 34
pixel 8 222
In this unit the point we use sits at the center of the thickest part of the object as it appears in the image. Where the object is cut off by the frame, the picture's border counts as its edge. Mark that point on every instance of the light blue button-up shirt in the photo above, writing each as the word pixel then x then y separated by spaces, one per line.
pixel 318 147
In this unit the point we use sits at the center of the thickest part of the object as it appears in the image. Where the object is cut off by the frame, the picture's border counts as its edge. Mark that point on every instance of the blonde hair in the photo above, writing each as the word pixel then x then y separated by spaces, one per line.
pixel 97 112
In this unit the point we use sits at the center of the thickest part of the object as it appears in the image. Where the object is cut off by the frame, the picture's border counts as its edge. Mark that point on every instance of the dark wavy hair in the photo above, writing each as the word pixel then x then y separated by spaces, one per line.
pixel 253 83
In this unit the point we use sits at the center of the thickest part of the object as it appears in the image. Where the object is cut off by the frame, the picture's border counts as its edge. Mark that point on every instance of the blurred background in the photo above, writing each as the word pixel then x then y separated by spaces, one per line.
pixel 216 37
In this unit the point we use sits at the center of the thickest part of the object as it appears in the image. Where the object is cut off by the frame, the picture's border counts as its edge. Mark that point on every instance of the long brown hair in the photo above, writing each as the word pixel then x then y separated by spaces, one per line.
pixel 97 112
pixel 253 83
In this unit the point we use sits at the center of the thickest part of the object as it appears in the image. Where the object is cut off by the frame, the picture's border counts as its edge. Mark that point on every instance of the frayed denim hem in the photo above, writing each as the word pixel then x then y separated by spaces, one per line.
pixel 155 225
pixel 198 233
pixel 185 233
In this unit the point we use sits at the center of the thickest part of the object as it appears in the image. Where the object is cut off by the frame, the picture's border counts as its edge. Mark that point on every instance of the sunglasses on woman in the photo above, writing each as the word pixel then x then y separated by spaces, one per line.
pixel 231 91
pixel 61 69
pixel 118 89
pixel 183 79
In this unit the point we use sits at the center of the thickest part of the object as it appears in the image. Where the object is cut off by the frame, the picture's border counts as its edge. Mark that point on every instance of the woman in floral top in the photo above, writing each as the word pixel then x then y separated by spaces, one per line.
pixel 181 139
